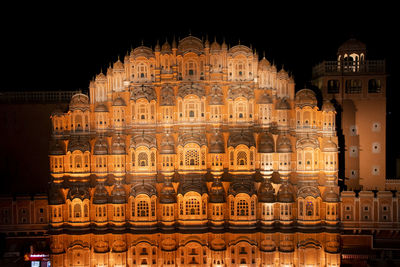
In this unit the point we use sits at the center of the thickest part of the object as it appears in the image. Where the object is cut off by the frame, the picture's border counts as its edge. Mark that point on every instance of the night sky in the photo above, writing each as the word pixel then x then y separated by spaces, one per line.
pixel 48 47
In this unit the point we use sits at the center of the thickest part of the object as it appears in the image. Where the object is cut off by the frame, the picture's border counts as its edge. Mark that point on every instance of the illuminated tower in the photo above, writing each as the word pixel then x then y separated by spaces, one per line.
pixel 357 85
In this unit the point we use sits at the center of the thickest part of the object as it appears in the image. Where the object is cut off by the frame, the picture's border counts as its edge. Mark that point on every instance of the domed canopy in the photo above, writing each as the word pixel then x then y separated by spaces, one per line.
pixel 306 97
pixel 282 104
pixel 167 96
pixel 118 65
pixel 101 108
pixel 78 191
pixel 307 142
pixel 216 144
pixel 352 46
pixel 263 64
pixel 118 194
pixel 329 146
pixel 144 91
pixel 306 191
pixel 265 98
pixel 147 140
pixel 142 51
pixel 55 148
pixel 143 188
pixel 285 193
pixel 283 144
pixel 190 44
pixel 266 192
pixel 242 138
pixel 215 46
pixel 119 102
pixel 78 143
pixel 192 183
pixel 56 196
pixel 100 195
pixel 166 47
pixel 327 106
pixel 100 147
pixel 266 143
pixel 217 192
pixel 330 196
pixel 245 186
pixel 79 102
pixel 118 145
pixel 167 194
pixel 167 144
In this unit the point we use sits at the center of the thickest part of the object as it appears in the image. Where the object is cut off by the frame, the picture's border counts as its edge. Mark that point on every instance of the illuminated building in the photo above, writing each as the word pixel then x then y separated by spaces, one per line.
pixel 194 154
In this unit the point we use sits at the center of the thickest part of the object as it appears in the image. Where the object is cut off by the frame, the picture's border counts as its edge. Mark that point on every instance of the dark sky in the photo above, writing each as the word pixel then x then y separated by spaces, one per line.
pixel 48 47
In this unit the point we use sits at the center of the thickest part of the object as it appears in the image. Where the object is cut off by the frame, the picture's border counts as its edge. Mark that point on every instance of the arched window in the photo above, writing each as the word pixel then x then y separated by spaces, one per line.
pixel 142 208
pixel 242 208
pixel 77 210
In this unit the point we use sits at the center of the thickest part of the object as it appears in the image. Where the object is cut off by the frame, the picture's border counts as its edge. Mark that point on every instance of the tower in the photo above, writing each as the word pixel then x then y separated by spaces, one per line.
pixel 357 87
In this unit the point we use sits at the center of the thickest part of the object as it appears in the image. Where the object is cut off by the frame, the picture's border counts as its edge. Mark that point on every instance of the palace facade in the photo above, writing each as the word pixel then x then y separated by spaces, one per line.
pixel 194 154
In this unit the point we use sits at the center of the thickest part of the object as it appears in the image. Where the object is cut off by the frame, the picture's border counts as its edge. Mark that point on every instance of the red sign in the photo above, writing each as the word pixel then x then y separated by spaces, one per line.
pixel 37 257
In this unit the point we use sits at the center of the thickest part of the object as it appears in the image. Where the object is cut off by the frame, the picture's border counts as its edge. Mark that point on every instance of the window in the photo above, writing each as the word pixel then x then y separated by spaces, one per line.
pixel 309 208
pixel 242 208
pixel 241 158
pixel 353 86
pixel 192 207
pixel 333 86
pixel 77 210
pixel 142 209
pixel 143 160
pixel 374 86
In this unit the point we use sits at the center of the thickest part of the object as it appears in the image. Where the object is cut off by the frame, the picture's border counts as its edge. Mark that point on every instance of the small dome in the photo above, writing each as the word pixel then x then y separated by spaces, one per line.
pixel 265 98
pixel 166 47
pixel 118 145
pixel 119 102
pixel 282 74
pixel 307 142
pixel 142 51
pixel 266 192
pixel 100 147
pixel 215 46
pixel 306 191
pixel 306 97
pixel 282 104
pixel 266 143
pixel 118 65
pixel 79 102
pixel 217 144
pixel 100 195
pixel 327 106
pixel 264 64
pixel 285 193
pixel 283 144
pixel 101 108
pixel 118 194
pixel 101 77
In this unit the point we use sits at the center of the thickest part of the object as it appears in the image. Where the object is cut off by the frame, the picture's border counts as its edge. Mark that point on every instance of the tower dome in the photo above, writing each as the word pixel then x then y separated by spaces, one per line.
pixel 285 193
pixel 306 97
pixel 352 46
pixel 216 143
pixel 266 192
pixel 283 144
pixel 167 144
